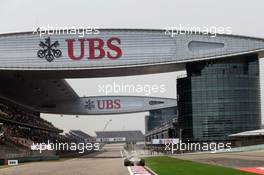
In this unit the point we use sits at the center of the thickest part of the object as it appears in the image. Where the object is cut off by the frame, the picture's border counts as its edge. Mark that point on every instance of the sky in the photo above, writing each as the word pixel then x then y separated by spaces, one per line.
pixel 244 18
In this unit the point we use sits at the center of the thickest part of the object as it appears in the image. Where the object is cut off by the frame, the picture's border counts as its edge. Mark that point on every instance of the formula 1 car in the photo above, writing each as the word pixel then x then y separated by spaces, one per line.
pixel 133 161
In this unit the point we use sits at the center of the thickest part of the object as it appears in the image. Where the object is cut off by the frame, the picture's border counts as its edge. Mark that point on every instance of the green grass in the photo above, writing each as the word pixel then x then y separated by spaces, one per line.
pixel 171 166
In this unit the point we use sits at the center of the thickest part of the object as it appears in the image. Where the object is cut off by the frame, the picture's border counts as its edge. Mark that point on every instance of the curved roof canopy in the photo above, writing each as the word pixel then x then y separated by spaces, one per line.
pixel 38 64
pixel 111 51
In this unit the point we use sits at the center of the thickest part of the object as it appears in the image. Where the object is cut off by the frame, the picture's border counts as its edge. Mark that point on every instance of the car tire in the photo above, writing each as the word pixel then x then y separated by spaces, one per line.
pixel 126 162
pixel 142 162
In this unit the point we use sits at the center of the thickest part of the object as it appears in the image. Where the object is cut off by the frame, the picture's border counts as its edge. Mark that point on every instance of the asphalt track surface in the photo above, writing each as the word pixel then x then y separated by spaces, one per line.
pixel 108 162
pixel 234 160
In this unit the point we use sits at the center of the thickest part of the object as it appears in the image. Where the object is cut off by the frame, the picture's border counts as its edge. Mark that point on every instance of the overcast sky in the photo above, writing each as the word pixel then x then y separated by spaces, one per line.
pixel 245 18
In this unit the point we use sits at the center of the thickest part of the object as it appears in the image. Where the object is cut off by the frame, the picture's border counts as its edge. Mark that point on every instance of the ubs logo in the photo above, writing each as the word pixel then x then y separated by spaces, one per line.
pixel 89 104
pixel 49 50
pixel 102 104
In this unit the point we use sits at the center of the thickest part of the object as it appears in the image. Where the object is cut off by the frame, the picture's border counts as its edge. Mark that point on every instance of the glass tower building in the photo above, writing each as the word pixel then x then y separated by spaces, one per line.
pixel 219 98
pixel 158 117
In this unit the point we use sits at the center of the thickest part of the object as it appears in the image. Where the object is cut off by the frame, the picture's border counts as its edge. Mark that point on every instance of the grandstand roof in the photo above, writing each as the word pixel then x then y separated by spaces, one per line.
pixel 58 97
pixel 135 135
pixel 259 132
pixel 80 134
pixel 37 92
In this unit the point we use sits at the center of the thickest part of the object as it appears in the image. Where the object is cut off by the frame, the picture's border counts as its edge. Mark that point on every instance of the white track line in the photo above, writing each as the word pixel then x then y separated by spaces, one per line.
pixel 121 152
pixel 130 171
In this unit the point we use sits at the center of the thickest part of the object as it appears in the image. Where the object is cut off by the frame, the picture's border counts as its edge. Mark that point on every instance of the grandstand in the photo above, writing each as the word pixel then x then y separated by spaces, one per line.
pixel 255 137
pixel 120 136
pixel 20 127
pixel 80 136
